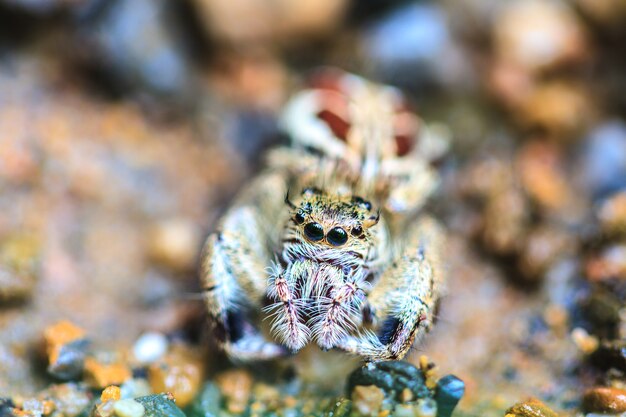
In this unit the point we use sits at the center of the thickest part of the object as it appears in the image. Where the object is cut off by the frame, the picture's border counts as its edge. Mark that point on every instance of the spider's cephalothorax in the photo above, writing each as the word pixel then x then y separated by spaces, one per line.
pixel 348 261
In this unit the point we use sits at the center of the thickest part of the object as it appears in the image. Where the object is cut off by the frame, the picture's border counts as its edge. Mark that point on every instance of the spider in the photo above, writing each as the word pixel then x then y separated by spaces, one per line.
pixel 330 244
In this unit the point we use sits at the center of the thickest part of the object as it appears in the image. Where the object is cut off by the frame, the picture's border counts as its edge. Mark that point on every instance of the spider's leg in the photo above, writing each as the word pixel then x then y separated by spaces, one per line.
pixel 403 301
pixel 234 271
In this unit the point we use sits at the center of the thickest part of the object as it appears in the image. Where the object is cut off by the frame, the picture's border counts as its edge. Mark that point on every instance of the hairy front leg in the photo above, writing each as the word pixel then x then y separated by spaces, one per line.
pixel 403 301
pixel 234 271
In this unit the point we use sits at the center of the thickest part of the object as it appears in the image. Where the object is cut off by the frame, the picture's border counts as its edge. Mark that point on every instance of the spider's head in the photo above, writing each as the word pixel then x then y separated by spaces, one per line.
pixel 341 224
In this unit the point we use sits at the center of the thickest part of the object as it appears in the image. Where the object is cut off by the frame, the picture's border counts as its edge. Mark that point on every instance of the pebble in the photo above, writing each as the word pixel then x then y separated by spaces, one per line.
pixel 65 345
pixel 150 347
pixel 111 393
pixel 604 400
pixel 100 375
pixel 534 35
pixel 530 408
pixel 236 386
pixel 367 400
pixel 160 405
pixel 174 243
pixel 584 341
pixel 128 408
pixel 180 372
pixel 612 214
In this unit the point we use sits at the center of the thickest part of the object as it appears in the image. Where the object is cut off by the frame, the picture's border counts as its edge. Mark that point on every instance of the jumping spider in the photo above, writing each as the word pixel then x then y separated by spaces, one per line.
pixel 329 242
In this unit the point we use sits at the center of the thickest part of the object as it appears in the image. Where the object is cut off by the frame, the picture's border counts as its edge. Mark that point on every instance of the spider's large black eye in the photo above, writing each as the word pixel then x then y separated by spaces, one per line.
pixel 337 236
pixel 299 218
pixel 314 231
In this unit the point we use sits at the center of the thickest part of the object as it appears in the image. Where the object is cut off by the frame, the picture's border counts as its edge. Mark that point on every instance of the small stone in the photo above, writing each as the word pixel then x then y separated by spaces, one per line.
pixel 100 375
pixel 174 243
pixel 69 400
pixel 161 405
pixel 236 387
pixel 530 408
pixel 150 347
pixel 367 400
pixel 612 215
pixel 111 393
pixel 448 393
pixel 604 400
pixel 65 346
pixel 136 387
pixel 179 372
pixel 104 409
pixel 128 408
pixel 584 341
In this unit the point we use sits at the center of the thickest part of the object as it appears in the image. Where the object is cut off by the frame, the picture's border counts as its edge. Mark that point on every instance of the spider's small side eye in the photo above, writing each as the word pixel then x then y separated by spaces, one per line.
pixel 314 231
pixel 356 231
pixel 363 203
pixel 299 218
pixel 337 236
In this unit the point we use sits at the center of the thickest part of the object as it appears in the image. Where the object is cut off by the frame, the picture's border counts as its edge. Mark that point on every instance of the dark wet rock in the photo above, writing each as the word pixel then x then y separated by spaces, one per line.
pixel 6 407
pixel 448 393
pixel 610 355
pixel 66 346
pixel 392 377
pixel 161 405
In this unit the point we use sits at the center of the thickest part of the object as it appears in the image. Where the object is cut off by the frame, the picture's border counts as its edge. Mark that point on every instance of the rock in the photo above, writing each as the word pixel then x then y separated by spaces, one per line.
pixel 128 408
pixel 392 377
pixel 409 46
pixel 603 158
pixel 136 387
pixel 604 400
pixel 69 400
pixel 448 393
pixel 135 44
pixel 236 387
pixel 19 260
pixel 530 408
pixel 612 215
pixel 367 400
pixel 180 372
pixel 161 405
pixel 262 23
pixel 610 355
pixel 99 374
pixel 535 35
pixel 150 347
pixel 174 243
pixel 15 287
pixel 340 408
pixel 207 404
pixel 66 346
pixel 111 393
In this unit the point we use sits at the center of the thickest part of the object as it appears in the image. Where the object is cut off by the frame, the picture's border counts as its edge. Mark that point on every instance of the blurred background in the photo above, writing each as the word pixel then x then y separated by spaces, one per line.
pixel 127 126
